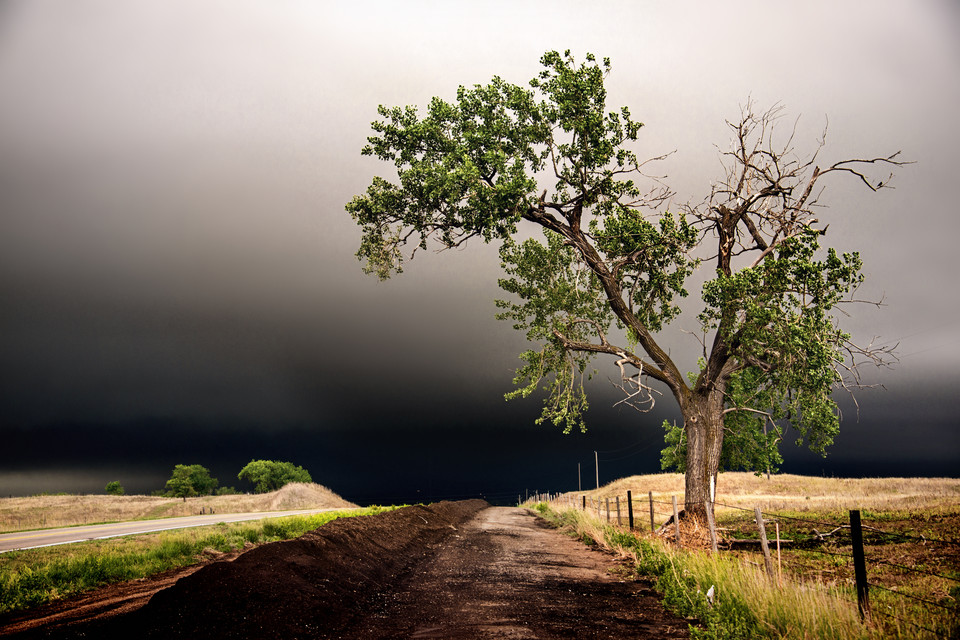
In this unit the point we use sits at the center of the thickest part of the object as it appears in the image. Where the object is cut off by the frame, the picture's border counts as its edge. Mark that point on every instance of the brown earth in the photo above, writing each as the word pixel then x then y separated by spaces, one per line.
pixel 449 570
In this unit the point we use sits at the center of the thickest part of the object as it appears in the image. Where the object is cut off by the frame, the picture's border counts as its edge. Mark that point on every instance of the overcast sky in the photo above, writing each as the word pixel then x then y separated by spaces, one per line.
pixel 177 278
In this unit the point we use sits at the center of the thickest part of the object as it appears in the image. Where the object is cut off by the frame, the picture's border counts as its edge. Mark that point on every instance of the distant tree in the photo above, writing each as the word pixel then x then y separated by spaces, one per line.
pixel 114 488
pixel 190 480
pixel 604 276
pixel 270 475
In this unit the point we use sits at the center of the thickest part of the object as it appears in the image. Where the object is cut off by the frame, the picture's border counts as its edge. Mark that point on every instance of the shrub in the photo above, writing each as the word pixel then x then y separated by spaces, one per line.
pixel 114 488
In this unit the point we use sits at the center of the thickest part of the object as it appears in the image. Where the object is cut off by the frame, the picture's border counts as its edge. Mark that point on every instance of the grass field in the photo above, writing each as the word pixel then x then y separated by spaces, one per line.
pixel 34 577
pixel 912 546
pixel 799 493
pixel 47 511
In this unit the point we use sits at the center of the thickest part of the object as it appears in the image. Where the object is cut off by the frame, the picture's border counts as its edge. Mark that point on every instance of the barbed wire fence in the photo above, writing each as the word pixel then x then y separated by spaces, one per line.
pixel 825 538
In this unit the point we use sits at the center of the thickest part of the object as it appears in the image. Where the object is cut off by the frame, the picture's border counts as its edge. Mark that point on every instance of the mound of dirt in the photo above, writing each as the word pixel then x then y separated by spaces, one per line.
pixel 307 587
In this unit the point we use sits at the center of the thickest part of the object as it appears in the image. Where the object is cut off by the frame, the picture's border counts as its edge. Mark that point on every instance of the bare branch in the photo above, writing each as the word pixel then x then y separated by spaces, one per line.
pixel 749 410
pixel 637 394
pixel 609 349
pixel 852 166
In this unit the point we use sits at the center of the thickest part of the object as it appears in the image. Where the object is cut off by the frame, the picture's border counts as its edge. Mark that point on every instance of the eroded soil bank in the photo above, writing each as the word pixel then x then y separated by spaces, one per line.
pixel 448 570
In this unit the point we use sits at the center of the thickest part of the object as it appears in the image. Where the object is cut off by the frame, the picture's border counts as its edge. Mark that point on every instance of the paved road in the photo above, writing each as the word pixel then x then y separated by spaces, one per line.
pixel 50 537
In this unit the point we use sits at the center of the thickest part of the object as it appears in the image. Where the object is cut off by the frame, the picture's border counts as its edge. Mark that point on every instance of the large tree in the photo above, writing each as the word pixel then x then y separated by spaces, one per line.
pixel 190 480
pixel 605 276
pixel 270 475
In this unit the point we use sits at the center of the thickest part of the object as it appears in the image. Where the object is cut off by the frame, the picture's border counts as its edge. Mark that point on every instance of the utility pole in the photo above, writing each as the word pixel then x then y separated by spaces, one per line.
pixel 579 484
pixel 596 463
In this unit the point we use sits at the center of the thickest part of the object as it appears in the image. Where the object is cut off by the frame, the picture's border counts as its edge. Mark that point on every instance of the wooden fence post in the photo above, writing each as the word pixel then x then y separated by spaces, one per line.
pixel 619 521
pixel 584 503
pixel 713 527
pixel 652 528
pixel 608 509
pixel 859 565
pixel 630 510
pixel 767 561
pixel 676 519
pixel 779 564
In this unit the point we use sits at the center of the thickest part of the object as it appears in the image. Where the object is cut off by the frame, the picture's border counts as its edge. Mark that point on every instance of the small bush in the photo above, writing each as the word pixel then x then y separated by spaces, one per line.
pixel 114 488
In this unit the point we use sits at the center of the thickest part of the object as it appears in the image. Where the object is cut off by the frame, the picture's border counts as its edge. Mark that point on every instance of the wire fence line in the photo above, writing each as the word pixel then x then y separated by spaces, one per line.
pixel 913 624
pixel 915 570
pixel 840 534
pixel 919 539
pixel 912 597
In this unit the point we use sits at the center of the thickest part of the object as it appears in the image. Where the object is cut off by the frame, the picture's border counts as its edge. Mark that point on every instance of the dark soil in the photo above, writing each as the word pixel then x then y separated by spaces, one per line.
pixel 448 570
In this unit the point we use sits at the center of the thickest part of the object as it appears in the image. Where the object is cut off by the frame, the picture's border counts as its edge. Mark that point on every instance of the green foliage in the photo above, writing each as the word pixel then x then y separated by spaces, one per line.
pixel 651 259
pixel 270 475
pixel 114 488
pixel 784 334
pixel 750 439
pixel 612 264
pixel 469 168
pixel 674 456
pixel 190 480
pixel 555 289
pixel 463 170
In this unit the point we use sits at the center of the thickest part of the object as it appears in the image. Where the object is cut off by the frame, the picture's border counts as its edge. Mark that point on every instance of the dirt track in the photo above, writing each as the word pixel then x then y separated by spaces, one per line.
pixel 452 570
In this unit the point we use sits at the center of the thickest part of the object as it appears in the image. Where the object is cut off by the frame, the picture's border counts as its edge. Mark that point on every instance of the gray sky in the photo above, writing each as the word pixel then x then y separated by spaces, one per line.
pixel 174 249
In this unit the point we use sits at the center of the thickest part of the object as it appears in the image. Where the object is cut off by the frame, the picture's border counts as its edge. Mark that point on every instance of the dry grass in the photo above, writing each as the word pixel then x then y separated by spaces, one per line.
pixel 785 492
pixel 746 604
pixel 17 514
pixel 912 544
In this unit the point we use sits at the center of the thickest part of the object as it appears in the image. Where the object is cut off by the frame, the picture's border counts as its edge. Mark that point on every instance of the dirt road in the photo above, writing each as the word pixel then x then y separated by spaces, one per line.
pixel 453 570
pixel 505 574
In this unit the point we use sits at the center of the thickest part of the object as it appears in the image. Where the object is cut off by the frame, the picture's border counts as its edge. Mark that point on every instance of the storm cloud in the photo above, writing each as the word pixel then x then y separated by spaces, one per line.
pixel 177 272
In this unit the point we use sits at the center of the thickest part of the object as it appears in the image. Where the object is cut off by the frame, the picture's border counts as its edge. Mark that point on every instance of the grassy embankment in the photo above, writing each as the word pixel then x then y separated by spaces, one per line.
pixel 34 577
pixel 915 562
pixel 36 512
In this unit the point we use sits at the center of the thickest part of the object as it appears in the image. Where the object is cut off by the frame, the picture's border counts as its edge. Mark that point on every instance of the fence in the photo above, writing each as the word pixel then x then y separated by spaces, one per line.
pixel 664 519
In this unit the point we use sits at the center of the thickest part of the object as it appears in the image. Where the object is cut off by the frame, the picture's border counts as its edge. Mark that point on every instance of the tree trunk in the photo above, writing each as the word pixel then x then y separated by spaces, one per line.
pixel 703 423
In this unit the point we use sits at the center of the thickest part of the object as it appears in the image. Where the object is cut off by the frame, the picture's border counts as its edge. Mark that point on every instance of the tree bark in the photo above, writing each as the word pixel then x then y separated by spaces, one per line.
pixel 703 423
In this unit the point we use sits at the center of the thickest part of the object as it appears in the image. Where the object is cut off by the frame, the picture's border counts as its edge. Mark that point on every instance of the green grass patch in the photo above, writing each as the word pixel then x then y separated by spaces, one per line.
pixel 34 577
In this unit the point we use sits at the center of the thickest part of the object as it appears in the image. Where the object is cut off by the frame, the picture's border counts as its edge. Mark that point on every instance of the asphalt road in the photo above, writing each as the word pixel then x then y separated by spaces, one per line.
pixel 67 535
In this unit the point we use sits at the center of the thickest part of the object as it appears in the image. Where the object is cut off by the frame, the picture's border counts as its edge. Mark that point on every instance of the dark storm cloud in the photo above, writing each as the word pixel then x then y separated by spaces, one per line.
pixel 176 264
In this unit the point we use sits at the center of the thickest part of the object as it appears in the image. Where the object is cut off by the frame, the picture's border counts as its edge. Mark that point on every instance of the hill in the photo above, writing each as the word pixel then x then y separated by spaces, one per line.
pixel 66 510
pixel 800 493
